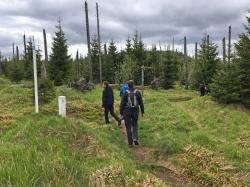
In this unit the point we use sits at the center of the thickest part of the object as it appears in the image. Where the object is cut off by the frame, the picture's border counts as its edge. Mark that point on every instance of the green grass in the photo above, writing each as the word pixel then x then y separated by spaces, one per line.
pixel 177 119
pixel 47 150
pixel 209 142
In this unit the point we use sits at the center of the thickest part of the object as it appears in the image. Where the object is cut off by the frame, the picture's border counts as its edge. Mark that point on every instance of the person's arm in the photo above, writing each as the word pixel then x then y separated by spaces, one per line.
pixel 103 98
pixel 112 94
pixel 140 102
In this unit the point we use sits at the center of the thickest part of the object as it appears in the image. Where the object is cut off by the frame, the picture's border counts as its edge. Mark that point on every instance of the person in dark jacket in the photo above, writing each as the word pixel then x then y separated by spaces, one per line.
pixel 108 103
pixel 202 89
pixel 131 105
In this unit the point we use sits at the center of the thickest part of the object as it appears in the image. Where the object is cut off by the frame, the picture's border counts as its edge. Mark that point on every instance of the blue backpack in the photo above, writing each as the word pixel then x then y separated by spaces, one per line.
pixel 123 90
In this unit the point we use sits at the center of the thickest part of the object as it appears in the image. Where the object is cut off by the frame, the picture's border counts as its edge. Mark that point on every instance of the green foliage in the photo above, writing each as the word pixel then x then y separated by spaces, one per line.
pixel 28 65
pixel 59 65
pixel 46 91
pixel 169 70
pixel 95 60
pixel 207 64
pixel 243 54
pixel 226 84
pixel 15 71
pixel 127 68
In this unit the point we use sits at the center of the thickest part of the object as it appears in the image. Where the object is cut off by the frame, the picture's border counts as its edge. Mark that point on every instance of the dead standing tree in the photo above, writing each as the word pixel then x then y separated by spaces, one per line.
pixel 185 62
pixel 196 52
pixel 229 44
pixel 13 51
pixel 24 45
pixel 224 50
pixel 88 43
pixel 77 65
pixel 44 72
pixel 99 41
pixel 17 54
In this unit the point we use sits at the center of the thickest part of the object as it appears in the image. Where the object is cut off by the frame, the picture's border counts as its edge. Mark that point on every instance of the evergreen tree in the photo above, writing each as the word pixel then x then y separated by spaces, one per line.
pixel 128 46
pixel 226 84
pixel 28 64
pixel 95 60
pixel 207 63
pixel 59 65
pixel 139 57
pixel 243 54
pixel 114 63
pixel 169 70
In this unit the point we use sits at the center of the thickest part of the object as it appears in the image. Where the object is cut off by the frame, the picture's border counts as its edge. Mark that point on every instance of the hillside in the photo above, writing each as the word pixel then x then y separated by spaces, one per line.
pixel 183 138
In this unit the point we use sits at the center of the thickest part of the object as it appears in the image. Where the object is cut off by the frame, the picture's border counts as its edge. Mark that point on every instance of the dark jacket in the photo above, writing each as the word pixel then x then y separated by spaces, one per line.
pixel 107 97
pixel 124 101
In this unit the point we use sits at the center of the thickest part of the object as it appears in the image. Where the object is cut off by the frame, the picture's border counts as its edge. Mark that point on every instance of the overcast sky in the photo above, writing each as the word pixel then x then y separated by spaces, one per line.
pixel 156 20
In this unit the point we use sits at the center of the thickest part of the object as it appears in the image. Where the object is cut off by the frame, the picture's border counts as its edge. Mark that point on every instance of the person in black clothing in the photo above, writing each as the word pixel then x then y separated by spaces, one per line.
pixel 131 105
pixel 202 89
pixel 108 103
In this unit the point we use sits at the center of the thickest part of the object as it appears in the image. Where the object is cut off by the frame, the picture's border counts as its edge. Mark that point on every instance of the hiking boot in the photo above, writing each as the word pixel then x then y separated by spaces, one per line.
pixel 136 142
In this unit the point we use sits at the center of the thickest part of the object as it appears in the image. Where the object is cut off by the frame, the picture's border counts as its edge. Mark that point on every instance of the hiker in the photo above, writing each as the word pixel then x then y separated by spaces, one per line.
pixel 108 103
pixel 202 89
pixel 131 105
pixel 123 89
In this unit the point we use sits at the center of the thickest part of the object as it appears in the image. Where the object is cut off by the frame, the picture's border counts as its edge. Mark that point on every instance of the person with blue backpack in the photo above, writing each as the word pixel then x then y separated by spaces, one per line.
pixel 123 89
pixel 130 107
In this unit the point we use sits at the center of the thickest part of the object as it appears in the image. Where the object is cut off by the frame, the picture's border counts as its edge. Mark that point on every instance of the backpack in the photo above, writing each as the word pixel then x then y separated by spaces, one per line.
pixel 132 99
pixel 123 89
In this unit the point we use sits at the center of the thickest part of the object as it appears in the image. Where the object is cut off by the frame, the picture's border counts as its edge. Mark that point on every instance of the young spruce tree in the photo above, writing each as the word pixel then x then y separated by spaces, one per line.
pixel 243 54
pixel 59 65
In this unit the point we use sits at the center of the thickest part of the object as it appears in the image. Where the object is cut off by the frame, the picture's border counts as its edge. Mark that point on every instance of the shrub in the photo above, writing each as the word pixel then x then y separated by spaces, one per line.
pixel 46 90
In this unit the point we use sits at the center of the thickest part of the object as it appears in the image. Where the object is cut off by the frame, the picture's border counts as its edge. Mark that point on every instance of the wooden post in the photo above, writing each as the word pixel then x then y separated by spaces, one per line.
pixel 185 62
pixel 17 54
pixel 224 50
pixel 88 42
pixel 35 77
pixel 196 51
pixel 44 72
pixel 99 42
pixel 24 45
pixel 229 44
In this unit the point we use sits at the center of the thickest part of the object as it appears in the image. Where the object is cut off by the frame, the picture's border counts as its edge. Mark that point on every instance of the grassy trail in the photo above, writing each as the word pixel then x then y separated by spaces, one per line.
pixel 184 138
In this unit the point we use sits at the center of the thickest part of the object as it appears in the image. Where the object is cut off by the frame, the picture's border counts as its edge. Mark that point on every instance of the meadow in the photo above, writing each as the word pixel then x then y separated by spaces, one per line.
pixel 198 139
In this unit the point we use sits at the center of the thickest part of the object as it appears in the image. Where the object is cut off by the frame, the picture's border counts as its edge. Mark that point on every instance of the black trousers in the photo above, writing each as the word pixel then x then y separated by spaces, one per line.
pixel 110 109
pixel 131 123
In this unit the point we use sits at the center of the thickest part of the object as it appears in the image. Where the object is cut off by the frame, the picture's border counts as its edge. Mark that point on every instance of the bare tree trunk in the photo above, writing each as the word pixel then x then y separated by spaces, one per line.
pixel 173 45
pixel 1 58
pixel 105 49
pixel 77 65
pixel 24 45
pixel 13 51
pixel 99 41
pixel 196 51
pixel 17 54
pixel 229 44
pixel 224 49
pixel 44 64
pixel 185 62
pixel 88 42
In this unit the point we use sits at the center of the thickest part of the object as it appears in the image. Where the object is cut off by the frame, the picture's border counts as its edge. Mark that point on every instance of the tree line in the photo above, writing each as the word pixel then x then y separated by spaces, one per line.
pixel 228 80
